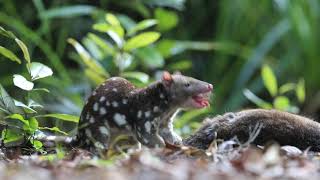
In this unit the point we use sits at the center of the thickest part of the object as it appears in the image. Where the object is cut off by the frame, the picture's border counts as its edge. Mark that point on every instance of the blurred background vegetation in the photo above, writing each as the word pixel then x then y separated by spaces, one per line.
pixel 255 53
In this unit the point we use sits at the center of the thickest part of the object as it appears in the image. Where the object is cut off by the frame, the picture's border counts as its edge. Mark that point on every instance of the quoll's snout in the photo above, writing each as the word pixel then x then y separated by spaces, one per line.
pixel 210 87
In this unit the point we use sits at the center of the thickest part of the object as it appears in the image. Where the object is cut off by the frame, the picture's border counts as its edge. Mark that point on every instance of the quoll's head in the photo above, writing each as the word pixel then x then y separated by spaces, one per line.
pixel 187 92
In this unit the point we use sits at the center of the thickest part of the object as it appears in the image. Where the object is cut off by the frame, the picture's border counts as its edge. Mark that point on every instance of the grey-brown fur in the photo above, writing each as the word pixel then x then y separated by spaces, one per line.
pixel 118 108
pixel 282 127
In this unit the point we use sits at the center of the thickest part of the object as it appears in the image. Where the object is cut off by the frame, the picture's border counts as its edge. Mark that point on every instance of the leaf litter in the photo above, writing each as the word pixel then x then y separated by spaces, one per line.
pixel 227 160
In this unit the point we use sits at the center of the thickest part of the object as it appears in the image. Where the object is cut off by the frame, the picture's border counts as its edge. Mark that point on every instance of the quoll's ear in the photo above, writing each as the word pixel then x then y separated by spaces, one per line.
pixel 167 78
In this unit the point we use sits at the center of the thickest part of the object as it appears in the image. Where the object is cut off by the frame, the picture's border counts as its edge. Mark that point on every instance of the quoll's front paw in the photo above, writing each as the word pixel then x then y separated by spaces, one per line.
pixel 171 138
pixel 176 140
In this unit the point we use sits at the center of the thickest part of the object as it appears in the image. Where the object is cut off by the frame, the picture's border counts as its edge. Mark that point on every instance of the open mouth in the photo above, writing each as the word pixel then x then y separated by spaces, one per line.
pixel 201 100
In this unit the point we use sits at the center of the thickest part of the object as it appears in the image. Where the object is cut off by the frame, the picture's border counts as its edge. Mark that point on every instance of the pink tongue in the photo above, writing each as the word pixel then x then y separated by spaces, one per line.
pixel 203 102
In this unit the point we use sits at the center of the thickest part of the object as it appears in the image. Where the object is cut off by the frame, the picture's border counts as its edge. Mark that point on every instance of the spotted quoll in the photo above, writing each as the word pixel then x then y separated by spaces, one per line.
pixel 117 108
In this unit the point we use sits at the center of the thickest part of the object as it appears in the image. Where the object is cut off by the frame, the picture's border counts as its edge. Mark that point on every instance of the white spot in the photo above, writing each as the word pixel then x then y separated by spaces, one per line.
pixel 94 93
pixel 147 114
pixel 95 106
pixel 103 111
pixel 103 130
pixel 106 89
pixel 102 98
pixel 155 120
pixel 161 96
pixel 107 103
pixel 155 109
pixel 115 89
pixel 91 120
pixel 115 104
pixel 128 127
pixel 88 116
pixel 139 114
pixel 113 79
pixel 147 126
pixel 145 140
pixel 124 101
pixel 120 119
pixel 88 132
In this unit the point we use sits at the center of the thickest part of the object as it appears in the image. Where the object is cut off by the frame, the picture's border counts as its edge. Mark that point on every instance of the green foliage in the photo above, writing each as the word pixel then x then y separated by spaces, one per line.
pixel 21 116
pixel 122 51
pixel 167 19
pixel 269 80
pixel 280 99
pixel 199 38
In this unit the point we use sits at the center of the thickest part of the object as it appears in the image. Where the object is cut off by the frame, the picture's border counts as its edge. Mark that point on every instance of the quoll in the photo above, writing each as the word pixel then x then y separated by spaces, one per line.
pixel 117 107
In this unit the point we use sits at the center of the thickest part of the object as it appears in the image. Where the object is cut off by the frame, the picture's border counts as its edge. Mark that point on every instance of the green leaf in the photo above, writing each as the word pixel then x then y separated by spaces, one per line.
pixel 166 19
pixel 12 137
pixel 38 71
pixel 6 33
pixel 105 46
pixel 115 26
pixel 189 116
pixel 115 32
pixel 7 103
pixel 36 144
pixel 26 108
pixel 33 123
pixel 54 129
pixel 94 77
pixel 142 25
pixel 141 40
pixel 170 48
pixel 87 59
pixel 287 87
pixel 68 11
pixel 41 89
pixel 64 117
pixel 112 19
pixel 256 100
pixel 22 82
pixel 281 103
pixel 102 27
pixel 21 119
pixel 150 57
pixel 301 91
pixel 32 103
pixel 180 65
pixel 269 80
pixel 25 51
pixel 142 77
pixel 8 54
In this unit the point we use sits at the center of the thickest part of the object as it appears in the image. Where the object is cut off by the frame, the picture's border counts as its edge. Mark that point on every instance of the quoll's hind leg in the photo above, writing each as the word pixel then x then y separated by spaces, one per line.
pixel 99 137
pixel 167 133
pixel 147 134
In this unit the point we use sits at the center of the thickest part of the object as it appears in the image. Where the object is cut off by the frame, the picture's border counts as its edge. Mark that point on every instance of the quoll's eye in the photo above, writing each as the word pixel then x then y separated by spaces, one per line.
pixel 187 84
